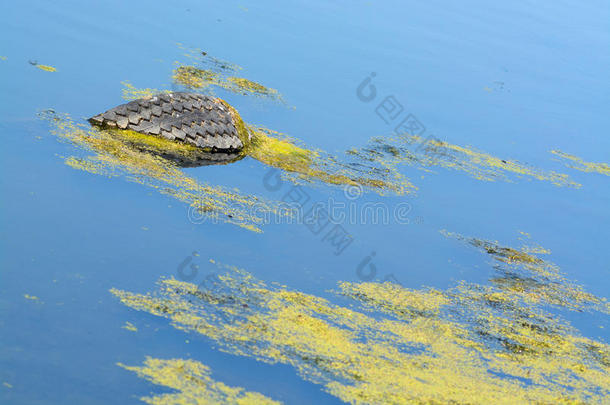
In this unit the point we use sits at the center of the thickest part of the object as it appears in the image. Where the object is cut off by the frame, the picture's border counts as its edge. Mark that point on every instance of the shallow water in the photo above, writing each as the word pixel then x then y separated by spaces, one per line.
pixel 496 241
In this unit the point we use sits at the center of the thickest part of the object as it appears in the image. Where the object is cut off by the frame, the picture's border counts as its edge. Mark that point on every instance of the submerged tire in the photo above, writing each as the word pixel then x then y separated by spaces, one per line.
pixel 202 121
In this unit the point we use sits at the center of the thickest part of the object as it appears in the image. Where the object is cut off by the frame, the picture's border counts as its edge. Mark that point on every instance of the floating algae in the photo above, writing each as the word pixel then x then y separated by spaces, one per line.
pixel 46 68
pixel 246 86
pixel 577 163
pixel 468 344
pixel 128 154
pixel 130 92
pixel 130 327
pixel 305 165
pixel 429 152
pixel 195 78
pixel 532 279
pixel 194 385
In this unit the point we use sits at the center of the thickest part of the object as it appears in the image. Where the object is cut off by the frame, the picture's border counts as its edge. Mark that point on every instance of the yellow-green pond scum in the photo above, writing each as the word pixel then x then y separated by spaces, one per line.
pixel 504 342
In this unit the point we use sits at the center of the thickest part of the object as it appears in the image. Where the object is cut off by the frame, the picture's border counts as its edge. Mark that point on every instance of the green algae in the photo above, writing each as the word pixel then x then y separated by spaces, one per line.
pixel 248 87
pixel 427 153
pixel 532 279
pixel 195 78
pixel 470 343
pixel 577 163
pixel 304 165
pixel 130 92
pixel 130 327
pixel 194 385
pixel 46 68
pixel 127 154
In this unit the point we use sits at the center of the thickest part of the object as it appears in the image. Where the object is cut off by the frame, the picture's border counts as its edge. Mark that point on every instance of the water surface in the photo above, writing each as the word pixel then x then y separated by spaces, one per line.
pixel 499 234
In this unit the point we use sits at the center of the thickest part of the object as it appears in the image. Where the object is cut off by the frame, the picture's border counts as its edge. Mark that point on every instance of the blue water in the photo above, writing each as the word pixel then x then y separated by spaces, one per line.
pixel 69 236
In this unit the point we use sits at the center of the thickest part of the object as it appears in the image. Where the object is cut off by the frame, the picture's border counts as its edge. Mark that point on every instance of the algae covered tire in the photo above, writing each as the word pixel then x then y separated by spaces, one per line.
pixel 199 120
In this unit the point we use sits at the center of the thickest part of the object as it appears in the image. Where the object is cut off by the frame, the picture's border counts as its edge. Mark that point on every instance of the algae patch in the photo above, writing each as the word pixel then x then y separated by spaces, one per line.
pixel 521 274
pixel 46 68
pixel 577 163
pixel 194 385
pixel 427 153
pixel 130 92
pixel 391 344
pixel 246 86
pixel 301 164
pixel 130 327
pixel 196 78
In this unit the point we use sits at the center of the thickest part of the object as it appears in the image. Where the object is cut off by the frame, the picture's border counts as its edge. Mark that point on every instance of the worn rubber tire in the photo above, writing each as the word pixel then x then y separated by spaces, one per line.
pixel 192 118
